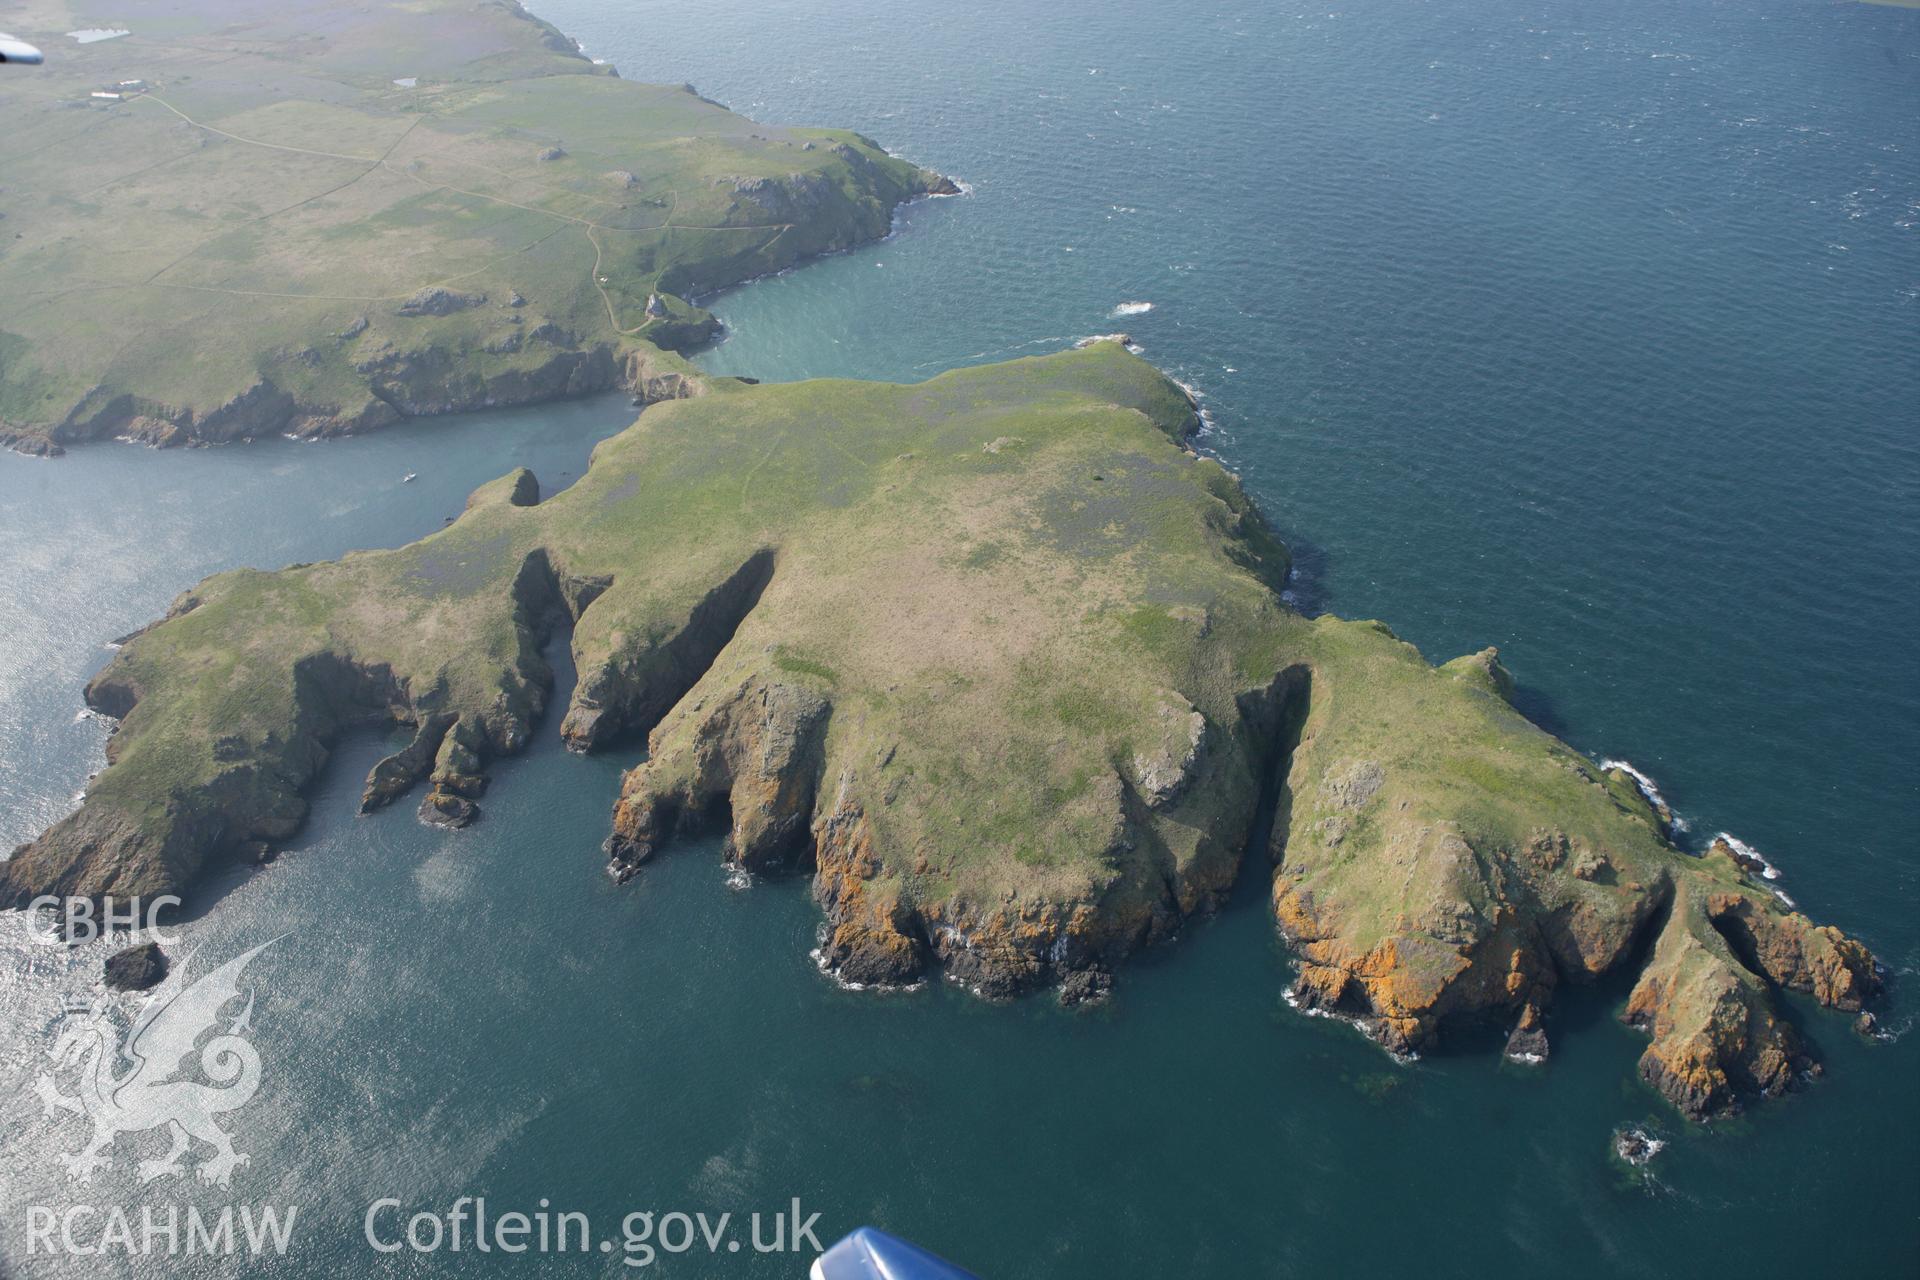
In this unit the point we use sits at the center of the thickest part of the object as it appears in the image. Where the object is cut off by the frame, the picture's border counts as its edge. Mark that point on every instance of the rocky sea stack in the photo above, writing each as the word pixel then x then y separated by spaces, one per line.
pixel 136 968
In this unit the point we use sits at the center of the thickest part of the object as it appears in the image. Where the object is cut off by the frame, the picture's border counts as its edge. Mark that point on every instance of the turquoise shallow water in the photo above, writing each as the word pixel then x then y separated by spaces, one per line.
pixel 1592 332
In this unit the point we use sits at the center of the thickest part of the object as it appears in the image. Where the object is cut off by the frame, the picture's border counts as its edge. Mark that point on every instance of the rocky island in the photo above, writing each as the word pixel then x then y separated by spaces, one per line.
pixel 1002 665
pixel 322 218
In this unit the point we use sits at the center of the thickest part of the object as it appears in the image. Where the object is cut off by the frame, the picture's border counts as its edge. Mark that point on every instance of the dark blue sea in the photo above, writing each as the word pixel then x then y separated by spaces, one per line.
pixel 1591 331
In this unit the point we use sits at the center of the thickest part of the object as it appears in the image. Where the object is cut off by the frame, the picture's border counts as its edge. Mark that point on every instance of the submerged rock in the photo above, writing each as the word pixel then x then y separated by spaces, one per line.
pixel 1086 986
pixel 1635 1146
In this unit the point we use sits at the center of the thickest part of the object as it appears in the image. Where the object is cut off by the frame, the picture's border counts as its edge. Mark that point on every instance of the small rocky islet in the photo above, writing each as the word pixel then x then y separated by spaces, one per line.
pixel 136 968
pixel 997 659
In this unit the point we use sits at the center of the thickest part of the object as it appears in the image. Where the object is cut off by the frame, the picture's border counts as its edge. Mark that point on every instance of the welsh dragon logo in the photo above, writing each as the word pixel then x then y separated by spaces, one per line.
pixel 148 1092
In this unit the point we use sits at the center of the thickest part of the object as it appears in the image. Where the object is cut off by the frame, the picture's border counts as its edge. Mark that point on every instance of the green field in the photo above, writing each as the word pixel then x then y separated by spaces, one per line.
pixel 226 249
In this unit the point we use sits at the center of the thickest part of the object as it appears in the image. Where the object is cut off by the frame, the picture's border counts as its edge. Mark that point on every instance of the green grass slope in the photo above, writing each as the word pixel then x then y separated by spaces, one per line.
pixel 1003 665
pixel 270 234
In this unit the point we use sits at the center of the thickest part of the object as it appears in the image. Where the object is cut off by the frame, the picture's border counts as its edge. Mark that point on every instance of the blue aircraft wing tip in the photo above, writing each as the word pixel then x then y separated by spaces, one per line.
pixel 871 1254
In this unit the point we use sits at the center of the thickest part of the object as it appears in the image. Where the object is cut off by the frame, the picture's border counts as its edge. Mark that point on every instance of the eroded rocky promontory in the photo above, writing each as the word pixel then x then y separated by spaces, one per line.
pixel 1002 666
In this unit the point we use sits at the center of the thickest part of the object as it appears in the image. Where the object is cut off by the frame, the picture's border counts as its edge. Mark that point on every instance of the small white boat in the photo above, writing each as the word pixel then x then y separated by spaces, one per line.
pixel 410 477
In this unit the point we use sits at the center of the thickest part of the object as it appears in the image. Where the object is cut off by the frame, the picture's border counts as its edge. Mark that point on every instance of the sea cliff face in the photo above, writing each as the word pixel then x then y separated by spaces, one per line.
pixel 513 224
pixel 1003 667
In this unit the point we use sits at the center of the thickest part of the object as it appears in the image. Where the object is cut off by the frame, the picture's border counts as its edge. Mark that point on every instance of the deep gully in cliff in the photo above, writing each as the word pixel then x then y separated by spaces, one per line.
pixel 630 692
pixel 623 698
pixel 1276 719
pixel 1272 719
pixel 336 694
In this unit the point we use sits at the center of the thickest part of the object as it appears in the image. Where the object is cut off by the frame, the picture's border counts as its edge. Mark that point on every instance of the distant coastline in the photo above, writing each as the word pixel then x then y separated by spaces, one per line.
pixel 552 255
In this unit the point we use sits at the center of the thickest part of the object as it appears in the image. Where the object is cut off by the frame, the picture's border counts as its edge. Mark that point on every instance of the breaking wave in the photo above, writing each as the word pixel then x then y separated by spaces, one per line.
pixel 1744 850
pixel 1647 788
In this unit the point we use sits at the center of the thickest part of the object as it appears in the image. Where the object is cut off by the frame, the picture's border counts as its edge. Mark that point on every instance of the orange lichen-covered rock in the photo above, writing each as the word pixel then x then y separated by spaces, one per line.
pixel 1793 951
pixel 1715 1035
pixel 871 936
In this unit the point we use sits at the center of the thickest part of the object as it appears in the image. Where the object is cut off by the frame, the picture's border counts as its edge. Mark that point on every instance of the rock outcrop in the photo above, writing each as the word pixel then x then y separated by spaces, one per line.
pixel 136 968
pixel 758 753
pixel 436 300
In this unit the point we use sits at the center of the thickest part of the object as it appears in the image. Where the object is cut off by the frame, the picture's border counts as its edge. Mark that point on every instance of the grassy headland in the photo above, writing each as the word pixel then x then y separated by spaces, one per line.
pixel 1004 666
pixel 318 218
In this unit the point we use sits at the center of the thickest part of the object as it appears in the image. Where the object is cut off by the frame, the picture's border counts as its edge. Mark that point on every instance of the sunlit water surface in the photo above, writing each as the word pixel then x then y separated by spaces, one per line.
pixel 1587 331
